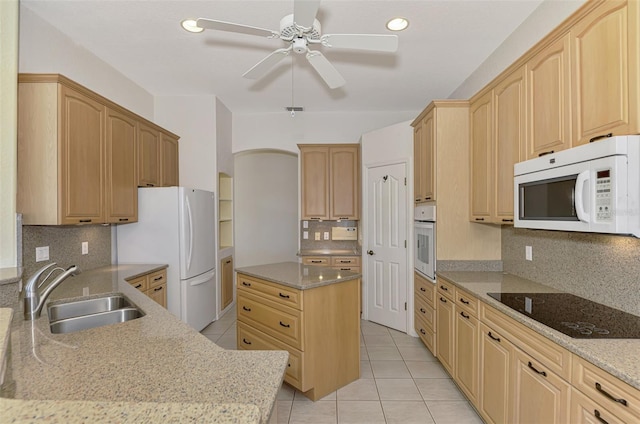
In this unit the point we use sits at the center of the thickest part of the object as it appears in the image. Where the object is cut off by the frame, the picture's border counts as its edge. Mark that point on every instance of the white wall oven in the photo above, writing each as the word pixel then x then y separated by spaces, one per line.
pixel 425 241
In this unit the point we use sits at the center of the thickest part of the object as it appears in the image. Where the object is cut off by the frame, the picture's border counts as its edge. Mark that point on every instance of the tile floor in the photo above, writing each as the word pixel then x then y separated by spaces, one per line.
pixel 400 382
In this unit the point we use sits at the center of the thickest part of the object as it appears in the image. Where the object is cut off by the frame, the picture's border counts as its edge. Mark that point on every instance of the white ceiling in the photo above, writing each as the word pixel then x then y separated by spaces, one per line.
pixel 445 42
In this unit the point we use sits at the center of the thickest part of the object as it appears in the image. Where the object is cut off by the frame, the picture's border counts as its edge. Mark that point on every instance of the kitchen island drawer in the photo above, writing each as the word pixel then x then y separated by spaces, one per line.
pixel 276 292
pixel 607 390
pixel 251 339
pixel 157 278
pixel 316 260
pixel 140 283
pixel 283 323
pixel 345 261
pixel 347 268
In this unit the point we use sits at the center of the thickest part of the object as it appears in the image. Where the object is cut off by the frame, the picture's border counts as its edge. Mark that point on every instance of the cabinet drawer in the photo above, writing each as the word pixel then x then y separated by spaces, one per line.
pixel 251 339
pixel 551 355
pixel 345 260
pixel 312 260
pixel 425 311
pixel 285 324
pixel 140 283
pixel 466 301
pixel 445 288
pixel 276 292
pixel 585 410
pixel 607 390
pixel 426 333
pixel 347 268
pixel 424 288
pixel 157 278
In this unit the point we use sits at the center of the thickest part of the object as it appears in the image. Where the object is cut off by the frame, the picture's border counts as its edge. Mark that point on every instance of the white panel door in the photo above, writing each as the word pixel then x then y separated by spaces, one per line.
pixel 386 247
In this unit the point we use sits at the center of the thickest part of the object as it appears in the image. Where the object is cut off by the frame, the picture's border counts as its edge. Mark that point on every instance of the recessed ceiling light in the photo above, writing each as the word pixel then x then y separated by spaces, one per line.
pixel 190 25
pixel 397 24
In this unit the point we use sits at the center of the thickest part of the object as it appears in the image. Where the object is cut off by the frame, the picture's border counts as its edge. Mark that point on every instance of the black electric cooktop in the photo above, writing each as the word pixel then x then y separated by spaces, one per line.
pixel 572 315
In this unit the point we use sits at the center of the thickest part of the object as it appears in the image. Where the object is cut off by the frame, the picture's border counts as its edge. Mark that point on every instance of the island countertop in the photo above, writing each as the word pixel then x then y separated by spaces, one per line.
pixel 298 276
pixel 122 370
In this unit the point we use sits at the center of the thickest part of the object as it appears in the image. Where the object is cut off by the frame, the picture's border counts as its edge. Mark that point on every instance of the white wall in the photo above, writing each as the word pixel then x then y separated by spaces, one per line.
pixel 542 21
pixel 44 49
pixel 281 131
pixel 266 207
pixel 224 138
pixel 8 131
pixel 193 118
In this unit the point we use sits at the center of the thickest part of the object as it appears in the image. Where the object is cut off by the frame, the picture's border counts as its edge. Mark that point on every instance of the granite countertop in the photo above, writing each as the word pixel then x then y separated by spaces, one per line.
pixel 154 367
pixel 619 357
pixel 329 252
pixel 298 276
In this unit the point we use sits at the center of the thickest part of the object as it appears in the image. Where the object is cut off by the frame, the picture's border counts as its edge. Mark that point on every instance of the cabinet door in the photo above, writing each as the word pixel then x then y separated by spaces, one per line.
pixel 510 131
pixel 169 171
pixel 226 278
pixel 466 353
pixel 148 156
pixel 445 321
pixel 605 71
pixel 121 184
pixel 344 182
pixel 428 173
pixel 540 396
pixel 496 358
pixel 481 127
pixel 548 81
pixel 418 164
pixel 315 182
pixel 81 158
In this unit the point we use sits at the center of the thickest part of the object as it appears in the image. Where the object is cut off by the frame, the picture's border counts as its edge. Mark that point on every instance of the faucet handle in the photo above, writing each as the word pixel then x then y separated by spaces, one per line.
pixel 32 281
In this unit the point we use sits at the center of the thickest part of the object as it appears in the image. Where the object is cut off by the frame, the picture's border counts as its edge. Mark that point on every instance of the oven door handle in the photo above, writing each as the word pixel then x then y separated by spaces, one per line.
pixel 582 215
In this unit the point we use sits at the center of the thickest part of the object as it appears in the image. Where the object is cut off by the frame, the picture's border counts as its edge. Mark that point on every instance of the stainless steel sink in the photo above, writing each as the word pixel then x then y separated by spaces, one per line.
pixel 90 313
pixel 78 308
pixel 99 319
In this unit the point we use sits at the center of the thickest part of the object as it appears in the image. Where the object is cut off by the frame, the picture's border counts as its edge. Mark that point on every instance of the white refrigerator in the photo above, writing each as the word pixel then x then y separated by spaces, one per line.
pixel 176 226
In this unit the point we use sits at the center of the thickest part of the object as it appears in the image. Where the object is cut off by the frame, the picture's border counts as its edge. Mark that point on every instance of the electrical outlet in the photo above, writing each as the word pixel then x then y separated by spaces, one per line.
pixel 317 235
pixel 42 253
pixel 305 224
pixel 528 253
pixel 305 235
pixel 326 235
pixel 85 247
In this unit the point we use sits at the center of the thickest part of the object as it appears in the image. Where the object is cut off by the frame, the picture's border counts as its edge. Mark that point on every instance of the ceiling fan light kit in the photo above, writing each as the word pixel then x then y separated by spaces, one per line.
pixel 299 30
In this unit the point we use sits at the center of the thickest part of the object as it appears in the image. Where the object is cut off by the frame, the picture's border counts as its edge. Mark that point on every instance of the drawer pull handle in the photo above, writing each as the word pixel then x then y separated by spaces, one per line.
pixel 545 153
pixel 423 310
pixel 423 332
pixel 418 199
pixel 150 185
pixel 285 325
pixel 427 198
pixel 479 219
pixel 246 309
pixel 464 315
pixel 466 302
pixel 138 286
pixel 123 219
pixel 316 262
pixel 228 262
pixel 244 283
pixel 507 220
pixel 607 394
pixel 284 296
pixel 345 269
pixel 158 289
pixel 542 373
pixel 158 278
pixel 444 288
pixel 443 300
pixel 245 341
pixel 84 220
pixel 596 414
pixel 345 262
pixel 599 137
pixel 422 289
pixel 493 337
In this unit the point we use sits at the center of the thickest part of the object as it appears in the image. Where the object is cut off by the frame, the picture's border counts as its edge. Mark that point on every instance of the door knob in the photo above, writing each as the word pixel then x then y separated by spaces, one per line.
pixel 370 252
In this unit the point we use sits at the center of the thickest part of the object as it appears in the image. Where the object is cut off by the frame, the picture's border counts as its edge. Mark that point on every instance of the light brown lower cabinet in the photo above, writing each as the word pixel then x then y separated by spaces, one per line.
pixel 466 372
pixel 153 284
pixel 445 328
pixel 496 360
pixel 226 282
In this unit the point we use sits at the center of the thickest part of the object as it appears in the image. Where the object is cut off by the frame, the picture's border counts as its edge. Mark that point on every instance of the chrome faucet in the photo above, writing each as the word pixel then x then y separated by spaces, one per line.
pixel 34 298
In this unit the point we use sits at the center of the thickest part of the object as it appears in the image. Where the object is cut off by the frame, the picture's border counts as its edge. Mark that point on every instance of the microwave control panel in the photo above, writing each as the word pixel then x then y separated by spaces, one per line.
pixel 604 204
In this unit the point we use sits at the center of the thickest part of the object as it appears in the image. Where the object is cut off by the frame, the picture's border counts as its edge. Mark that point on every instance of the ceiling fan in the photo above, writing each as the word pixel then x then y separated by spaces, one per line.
pixel 300 30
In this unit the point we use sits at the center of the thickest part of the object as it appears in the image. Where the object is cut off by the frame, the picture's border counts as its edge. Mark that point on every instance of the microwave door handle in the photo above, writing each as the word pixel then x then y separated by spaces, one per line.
pixel 580 210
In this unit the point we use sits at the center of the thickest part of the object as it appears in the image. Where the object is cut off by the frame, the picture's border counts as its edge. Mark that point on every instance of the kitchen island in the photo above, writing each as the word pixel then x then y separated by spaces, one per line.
pixel 154 368
pixel 313 312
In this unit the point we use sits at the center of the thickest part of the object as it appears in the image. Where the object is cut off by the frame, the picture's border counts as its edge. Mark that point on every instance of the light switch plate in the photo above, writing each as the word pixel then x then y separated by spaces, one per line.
pixel 305 224
pixel 326 235
pixel 42 253
pixel 85 247
pixel 528 253
pixel 317 235
pixel 305 235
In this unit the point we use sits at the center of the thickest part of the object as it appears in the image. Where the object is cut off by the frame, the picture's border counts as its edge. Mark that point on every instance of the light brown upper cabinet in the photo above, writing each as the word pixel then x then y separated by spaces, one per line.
pixel 549 95
pixel 148 156
pixel 424 145
pixel 604 52
pixel 169 171
pixel 121 185
pixel 330 178
pixel 481 139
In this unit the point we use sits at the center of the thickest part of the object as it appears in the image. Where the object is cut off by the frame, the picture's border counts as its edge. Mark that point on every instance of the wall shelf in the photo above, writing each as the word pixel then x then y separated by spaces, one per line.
pixel 225 210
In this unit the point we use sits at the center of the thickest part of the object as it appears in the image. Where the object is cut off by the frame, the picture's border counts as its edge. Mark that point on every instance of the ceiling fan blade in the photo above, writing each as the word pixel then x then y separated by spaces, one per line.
pixel 304 12
pixel 381 43
pixel 325 69
pixel 231 27
pixel 262 67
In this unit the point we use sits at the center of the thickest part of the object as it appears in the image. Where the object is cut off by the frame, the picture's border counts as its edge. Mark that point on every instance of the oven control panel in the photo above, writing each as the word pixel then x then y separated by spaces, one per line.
pixel 604 200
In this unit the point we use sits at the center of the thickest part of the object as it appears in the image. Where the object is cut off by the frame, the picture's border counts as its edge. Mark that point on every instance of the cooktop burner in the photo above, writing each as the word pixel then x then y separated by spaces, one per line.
pixel 572 315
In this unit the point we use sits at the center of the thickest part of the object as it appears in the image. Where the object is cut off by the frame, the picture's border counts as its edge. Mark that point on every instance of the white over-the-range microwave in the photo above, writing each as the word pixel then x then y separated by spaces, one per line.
pixel 590 188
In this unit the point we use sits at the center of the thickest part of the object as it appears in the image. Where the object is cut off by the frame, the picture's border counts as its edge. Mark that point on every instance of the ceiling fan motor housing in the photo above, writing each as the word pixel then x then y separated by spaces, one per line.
pixel 289 30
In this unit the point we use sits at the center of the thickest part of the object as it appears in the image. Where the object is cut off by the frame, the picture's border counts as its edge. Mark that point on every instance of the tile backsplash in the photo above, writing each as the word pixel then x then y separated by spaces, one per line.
pixel 600 267
pixel 326 226
pixel 65 246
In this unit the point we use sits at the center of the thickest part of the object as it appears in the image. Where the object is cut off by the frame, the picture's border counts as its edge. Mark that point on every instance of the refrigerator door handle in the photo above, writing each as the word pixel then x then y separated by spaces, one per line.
pixel 190 221
pixel 204 278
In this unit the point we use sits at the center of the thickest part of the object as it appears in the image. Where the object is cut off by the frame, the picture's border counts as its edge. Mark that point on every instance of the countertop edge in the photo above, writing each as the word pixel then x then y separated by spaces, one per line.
pixel 10 275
